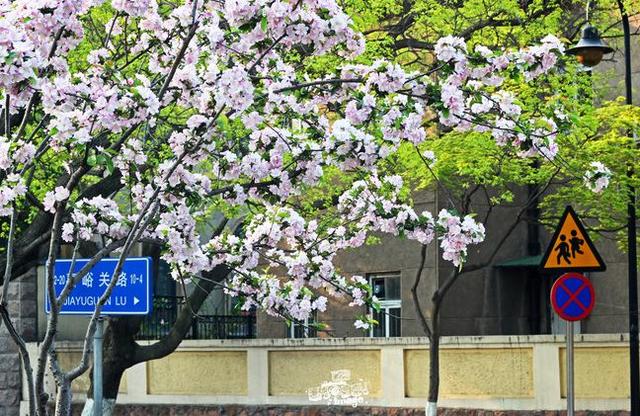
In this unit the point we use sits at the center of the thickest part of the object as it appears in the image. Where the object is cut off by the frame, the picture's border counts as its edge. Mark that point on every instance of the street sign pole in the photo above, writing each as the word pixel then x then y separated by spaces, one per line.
pixel 97 368
pixel 572 295
pixel 573 299
pixel 569 356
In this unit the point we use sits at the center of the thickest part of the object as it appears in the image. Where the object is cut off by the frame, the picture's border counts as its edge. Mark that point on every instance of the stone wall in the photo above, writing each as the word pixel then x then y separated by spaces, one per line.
pixel 167 410
pixel 22 308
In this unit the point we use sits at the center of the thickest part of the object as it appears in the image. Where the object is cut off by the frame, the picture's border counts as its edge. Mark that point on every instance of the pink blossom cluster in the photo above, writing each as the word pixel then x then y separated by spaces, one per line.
pixel 11 190
pixel 471 99
pixel 13 154
pixel 319 24
pixel 204 108
pixel 59 194
pixel 27 45
pixel 598 177
pixel 95 216
pixel 18 60
pixel 303 251
pixel 457 235
pixel 280 238
pixel 177 227
pixel 374 206
pixel 133 8
pixel 81 105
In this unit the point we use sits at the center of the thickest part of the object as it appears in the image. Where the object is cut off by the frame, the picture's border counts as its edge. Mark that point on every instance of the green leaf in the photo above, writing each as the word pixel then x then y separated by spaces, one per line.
pixel 223 122
pixel 264 23
pixel 101 159
pixel 10 57
pixel 320 326
pixel 109 165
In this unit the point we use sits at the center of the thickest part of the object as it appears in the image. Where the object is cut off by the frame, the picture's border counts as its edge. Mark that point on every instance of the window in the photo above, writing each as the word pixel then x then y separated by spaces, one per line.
pixel 386 287
pixel 302 329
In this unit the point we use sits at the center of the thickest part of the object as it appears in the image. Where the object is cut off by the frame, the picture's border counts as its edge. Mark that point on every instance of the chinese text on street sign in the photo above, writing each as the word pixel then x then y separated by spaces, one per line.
pixel 130 296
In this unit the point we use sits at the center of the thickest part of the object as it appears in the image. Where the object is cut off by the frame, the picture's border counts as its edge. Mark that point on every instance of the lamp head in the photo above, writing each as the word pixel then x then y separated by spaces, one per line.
pixel 590 49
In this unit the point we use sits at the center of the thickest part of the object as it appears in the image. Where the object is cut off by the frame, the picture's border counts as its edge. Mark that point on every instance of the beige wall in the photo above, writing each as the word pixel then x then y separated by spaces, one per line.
pixel 293 373
pixel 501 372
pixel 473 372
pixel 70 359
pixel 600 372
pixel 199 372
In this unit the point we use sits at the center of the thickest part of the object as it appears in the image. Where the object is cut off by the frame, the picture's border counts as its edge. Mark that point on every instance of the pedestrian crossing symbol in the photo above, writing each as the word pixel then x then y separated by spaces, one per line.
pixel 571 248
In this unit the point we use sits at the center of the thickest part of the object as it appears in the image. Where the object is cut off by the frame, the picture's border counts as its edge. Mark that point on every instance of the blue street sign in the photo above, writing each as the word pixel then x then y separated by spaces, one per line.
pixel 131 295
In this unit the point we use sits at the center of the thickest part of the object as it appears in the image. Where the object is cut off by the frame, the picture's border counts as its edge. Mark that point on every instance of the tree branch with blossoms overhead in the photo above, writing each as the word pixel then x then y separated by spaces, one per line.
pixel 204 108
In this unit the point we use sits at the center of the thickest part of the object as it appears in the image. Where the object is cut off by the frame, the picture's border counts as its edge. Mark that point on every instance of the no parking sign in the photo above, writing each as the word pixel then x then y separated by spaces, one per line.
pixel 572 296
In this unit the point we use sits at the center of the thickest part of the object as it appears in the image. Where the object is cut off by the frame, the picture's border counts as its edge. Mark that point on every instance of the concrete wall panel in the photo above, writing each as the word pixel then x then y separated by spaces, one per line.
pixel 463 373
pixel 292 373
pixel 199 373
pixel 599 372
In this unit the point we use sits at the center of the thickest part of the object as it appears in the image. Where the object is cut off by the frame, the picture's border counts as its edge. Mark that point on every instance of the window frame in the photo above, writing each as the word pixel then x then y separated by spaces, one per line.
pixel 304 325
pixel 387 305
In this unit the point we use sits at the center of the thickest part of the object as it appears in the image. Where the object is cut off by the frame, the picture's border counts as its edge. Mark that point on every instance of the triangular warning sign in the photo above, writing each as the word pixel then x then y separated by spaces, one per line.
pixel 571 249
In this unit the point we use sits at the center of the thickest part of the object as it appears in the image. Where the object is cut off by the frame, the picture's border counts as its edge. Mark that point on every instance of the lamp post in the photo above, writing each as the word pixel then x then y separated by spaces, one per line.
pixel 589 51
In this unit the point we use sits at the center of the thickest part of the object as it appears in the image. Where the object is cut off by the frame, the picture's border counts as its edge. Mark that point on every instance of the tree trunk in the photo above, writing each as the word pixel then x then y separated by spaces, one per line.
pixel 120 351
pixel 63 399
pixel 118 354
pixel 434 363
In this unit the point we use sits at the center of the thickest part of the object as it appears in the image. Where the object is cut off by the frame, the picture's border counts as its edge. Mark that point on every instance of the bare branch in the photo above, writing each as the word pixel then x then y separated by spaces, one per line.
pixel 414 293
pixel 333 81
pixel 24 356
pixel 184 320
pixel 9 261
pixel 177 61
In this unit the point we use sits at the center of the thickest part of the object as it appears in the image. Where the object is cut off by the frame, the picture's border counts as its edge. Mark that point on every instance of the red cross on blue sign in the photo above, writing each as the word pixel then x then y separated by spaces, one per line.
pixel 572 296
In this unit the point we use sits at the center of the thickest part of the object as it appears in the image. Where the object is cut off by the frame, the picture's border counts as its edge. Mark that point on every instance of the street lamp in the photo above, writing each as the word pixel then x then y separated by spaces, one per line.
pixel 589 51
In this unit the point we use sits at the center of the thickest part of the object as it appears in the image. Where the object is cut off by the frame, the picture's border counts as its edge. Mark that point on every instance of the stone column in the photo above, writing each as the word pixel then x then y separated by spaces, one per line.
pixel 22 308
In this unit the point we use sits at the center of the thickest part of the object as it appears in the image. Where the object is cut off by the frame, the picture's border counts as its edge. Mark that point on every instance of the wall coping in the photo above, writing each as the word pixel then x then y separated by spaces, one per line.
pixel 416 342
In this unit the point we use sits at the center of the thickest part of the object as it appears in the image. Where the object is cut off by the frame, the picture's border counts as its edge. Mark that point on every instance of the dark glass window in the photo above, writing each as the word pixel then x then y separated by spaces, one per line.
pixel 386 287
pixel 299 329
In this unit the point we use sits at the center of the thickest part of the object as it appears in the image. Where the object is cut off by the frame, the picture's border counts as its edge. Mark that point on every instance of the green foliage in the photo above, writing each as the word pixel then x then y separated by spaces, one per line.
pixel 392 25
pixel 610 142
pixel 468 162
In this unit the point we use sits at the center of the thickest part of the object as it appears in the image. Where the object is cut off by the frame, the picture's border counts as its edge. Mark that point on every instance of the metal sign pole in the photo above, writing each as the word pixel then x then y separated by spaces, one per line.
pixel 97 368
pixel 573 299
pixel 569 356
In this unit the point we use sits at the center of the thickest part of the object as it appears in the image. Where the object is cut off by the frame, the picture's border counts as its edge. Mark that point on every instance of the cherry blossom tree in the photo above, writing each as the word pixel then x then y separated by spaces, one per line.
pixel 132 121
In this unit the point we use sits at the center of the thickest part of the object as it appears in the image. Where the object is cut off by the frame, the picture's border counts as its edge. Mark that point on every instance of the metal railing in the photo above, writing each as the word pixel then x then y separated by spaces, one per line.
pixel 224 327
pixel 165 312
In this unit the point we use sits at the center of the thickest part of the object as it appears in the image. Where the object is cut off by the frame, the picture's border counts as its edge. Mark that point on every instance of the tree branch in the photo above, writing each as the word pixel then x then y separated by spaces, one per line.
pixel 334 81
pixel 170 342
pixel 414 293
pixel 411 43
pixel 24 356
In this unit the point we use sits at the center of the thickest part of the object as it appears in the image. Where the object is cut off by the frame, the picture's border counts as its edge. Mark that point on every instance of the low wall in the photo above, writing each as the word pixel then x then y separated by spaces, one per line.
pixel 274 410
pixel 520 373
